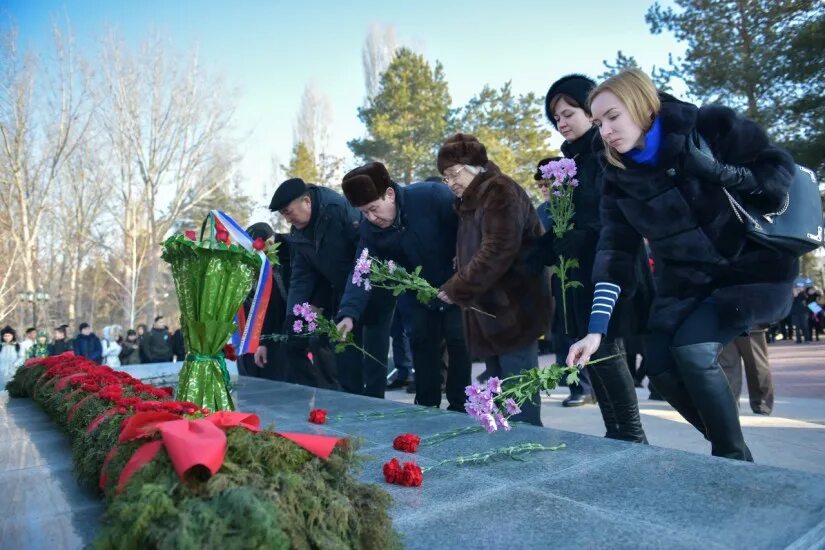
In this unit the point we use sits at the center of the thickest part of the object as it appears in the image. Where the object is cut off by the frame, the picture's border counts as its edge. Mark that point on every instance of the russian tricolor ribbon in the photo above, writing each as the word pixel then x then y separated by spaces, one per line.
pixel 249 326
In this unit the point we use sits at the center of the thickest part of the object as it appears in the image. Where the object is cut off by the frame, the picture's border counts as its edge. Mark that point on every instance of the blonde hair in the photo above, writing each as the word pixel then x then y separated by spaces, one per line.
pixel 638 93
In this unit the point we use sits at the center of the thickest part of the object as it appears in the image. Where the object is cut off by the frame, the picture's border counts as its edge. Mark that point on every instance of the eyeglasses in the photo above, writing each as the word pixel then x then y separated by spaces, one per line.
pixel 450 177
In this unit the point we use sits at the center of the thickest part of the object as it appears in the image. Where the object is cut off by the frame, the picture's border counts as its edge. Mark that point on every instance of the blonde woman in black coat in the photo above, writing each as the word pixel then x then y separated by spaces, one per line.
pixel 712 282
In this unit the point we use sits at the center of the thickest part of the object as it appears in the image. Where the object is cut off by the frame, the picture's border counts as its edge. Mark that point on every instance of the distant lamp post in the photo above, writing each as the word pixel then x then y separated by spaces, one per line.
pixel 34 298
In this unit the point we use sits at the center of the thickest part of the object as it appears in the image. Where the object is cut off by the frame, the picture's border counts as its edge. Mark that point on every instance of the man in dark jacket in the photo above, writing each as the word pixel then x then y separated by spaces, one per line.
pixel 59 344
pixel 413 226
pixel 87 344
pixel 156 345
pixel 322 243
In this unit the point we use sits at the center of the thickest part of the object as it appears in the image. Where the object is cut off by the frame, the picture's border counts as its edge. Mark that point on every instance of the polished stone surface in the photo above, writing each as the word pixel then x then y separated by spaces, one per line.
pixel 594 493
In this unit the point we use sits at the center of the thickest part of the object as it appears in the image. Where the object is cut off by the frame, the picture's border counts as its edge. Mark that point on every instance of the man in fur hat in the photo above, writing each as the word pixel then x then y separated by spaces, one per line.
pixel 413 226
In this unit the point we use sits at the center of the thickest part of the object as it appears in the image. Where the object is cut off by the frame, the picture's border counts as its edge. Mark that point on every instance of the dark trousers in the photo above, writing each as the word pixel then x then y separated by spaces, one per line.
pixel 276 367
pixel 752 350
pixel 513 362
pixel 401 351
pixel 359 373
pixel 320 372
pixel 561 345
pixel 431 327
pixel 801 327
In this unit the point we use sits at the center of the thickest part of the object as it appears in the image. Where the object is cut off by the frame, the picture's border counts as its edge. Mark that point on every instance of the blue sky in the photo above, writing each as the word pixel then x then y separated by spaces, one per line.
pixel 268 51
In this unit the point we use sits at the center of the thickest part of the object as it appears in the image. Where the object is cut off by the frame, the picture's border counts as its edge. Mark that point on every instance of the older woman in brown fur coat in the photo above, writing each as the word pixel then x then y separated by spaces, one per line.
pixel 497 224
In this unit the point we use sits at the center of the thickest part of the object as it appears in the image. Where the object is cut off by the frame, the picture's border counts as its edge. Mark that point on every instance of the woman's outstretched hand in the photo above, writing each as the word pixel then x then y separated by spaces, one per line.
pixel 581 351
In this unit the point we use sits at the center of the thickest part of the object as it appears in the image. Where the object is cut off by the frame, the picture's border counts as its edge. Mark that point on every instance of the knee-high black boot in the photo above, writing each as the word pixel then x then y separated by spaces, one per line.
pixel 711 395
pixel 669 385
pixel 613 385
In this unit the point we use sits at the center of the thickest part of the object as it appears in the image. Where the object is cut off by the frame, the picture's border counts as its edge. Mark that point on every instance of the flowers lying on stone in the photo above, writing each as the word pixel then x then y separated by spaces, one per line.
pixel 494 402
pixel 409 474
pixel 318 416
pixel 406 442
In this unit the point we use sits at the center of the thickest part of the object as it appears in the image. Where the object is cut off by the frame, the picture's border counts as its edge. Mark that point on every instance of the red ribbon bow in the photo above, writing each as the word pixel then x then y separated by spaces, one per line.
pixel 195 443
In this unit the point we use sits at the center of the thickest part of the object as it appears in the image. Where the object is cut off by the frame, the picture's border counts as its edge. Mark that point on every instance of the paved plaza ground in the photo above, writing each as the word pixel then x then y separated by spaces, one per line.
pixel 792 437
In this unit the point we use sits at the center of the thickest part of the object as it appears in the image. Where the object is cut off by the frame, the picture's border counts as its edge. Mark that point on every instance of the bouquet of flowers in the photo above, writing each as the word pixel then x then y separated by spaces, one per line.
pixel 562 173
pixel 372 272
pixel 309 322
pixel 212 277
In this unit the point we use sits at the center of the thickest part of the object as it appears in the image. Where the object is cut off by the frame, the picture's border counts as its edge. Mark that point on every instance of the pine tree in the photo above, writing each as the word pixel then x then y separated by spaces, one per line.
pixel 407 119
pixel 512 128
pixel 302 164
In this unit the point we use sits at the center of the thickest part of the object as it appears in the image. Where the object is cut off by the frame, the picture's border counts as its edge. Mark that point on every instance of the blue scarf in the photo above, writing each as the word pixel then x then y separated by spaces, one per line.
pixel 650 153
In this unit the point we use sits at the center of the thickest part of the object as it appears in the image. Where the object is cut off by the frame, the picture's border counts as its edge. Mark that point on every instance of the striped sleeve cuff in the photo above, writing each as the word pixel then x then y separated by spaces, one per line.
pixel 604 300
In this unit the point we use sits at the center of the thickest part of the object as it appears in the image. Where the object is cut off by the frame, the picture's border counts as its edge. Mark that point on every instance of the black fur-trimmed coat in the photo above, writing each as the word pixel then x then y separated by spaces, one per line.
pixel 698 244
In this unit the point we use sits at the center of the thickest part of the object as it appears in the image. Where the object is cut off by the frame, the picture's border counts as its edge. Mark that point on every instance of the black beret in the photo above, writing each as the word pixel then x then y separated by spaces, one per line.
pixel 260 230
pixel 576 86
pixel 366 183
pixel 287 192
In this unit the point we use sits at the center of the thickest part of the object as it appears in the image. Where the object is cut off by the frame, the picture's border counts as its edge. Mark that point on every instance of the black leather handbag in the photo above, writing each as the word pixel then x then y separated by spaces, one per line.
pixel 797 228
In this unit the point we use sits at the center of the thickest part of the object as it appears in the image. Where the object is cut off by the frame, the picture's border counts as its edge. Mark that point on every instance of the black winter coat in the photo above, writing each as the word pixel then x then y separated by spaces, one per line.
pixel 699 247
pixel 59 346
pixel 156 346
pixel 322 255
pixel 424 234
pixel 88 345
pixel 630 315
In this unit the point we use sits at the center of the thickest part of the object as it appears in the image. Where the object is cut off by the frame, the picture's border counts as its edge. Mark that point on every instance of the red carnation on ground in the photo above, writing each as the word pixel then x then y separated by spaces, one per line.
pixel 259 244
pixel 191 235
pixel 318 416
pixel 406 442
pixel 409 474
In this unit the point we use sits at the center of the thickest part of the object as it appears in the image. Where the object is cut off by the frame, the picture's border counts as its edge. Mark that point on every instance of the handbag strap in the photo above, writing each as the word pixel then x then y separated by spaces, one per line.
pixel 738 210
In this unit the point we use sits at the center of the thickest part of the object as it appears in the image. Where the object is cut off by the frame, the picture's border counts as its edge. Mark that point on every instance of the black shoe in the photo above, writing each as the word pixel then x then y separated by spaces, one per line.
pixel 411 387
pixel 578 401
pixel 397 385
pixel 613 388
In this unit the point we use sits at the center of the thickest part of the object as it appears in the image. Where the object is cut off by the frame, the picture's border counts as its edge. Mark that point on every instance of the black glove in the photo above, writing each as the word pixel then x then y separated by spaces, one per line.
pixel 573 244
pixel 702 165
pixel 540 253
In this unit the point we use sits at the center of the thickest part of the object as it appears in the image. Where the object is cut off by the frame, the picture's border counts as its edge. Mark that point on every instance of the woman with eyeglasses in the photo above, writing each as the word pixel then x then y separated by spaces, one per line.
pixel 712 282
pixel 610 378
pixel 512 306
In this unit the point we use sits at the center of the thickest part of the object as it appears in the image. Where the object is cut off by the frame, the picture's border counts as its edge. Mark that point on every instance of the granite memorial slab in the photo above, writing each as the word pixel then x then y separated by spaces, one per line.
pixel 592 493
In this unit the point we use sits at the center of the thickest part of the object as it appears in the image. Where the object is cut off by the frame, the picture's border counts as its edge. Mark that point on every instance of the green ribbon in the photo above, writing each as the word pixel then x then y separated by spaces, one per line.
pixel 218 357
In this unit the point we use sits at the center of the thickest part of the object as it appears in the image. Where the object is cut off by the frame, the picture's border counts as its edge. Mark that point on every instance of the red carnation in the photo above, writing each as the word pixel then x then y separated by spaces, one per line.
pixel 318 416
pixel 406 442
pixel 408 475
pixel 392 471
pixel 191 235
pixel 229 352
pixel 413 476
pixel 222 236
pixel 259 244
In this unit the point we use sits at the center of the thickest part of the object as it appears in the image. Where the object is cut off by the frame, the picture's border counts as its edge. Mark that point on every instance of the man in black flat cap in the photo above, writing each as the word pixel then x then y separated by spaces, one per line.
pixel 322 242
pixel 413 226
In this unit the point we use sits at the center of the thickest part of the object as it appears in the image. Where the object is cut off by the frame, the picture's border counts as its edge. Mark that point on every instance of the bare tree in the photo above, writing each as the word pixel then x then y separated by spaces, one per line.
pixel 170 125
pixel 41 127
pixel 376 55
pixel 312 128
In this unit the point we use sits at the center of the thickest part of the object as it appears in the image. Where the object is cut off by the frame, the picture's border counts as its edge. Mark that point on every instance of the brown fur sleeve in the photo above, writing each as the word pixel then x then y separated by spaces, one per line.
pixel 502 225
